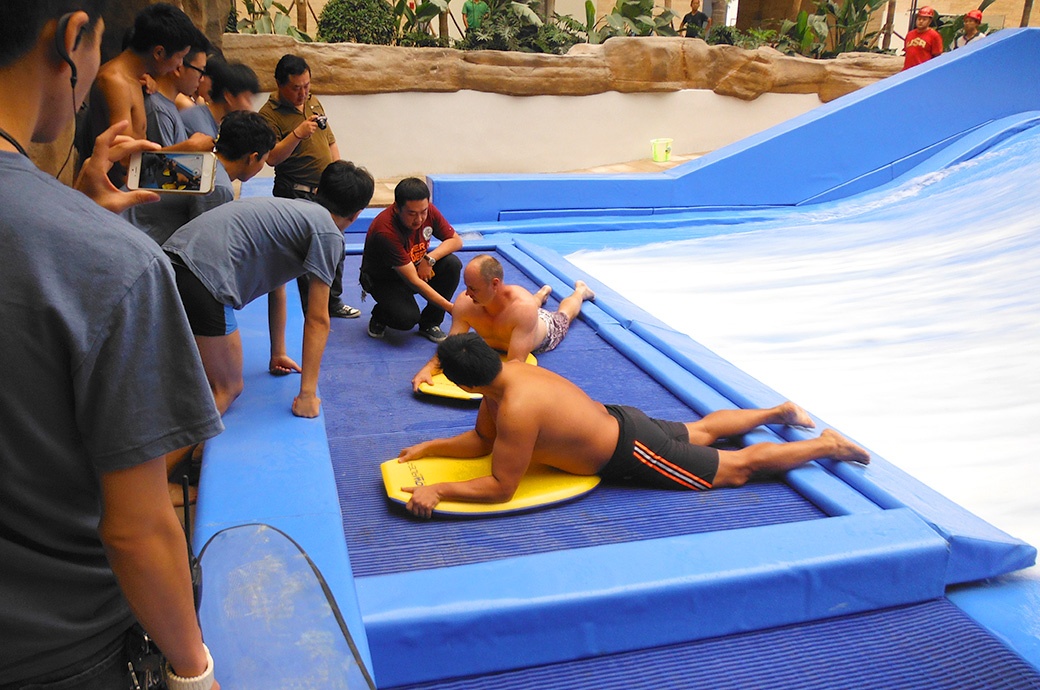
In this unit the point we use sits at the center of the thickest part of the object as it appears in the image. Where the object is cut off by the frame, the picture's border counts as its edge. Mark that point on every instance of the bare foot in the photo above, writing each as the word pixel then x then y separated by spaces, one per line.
pixel 792 415
pixel 177 495
pixel 581 288
pixel 543 294
pixel 845 449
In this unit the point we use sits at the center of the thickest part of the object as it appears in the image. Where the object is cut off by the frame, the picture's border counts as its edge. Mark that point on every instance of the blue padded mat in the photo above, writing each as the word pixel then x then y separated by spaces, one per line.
pixel 929 646
pixel 371 413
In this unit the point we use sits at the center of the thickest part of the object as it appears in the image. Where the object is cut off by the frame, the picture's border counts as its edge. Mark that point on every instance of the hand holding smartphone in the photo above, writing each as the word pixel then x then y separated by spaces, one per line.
pixel 173 172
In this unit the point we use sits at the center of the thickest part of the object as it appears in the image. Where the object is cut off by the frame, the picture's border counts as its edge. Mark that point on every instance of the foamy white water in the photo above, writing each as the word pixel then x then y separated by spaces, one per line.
pixel 907 318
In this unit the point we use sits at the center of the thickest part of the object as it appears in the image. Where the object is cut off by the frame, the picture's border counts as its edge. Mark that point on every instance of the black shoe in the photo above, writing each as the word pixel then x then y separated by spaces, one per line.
pixel 344 311
pixel 376 329
pixel 434 334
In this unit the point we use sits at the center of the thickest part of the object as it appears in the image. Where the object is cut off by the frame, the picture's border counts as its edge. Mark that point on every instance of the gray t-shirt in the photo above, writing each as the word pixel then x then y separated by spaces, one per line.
pixel 165 126
pixel 100 374
pixel 249 247
pixel 199 119
pixel 162 218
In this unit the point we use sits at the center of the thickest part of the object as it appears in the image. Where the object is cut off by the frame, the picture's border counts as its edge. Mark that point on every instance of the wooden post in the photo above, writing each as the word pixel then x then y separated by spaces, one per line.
pixel 443 28
pixel 891 15
pixel 1026 11
pixel 550 9
pixel 301 15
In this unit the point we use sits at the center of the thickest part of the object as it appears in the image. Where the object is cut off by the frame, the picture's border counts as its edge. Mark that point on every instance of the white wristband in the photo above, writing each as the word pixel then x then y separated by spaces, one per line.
pixel 202 682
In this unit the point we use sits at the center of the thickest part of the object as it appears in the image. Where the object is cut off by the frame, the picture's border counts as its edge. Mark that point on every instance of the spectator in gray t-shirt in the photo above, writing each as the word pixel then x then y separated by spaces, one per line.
pixel 227 257
pixel 165 126
pixel 245 142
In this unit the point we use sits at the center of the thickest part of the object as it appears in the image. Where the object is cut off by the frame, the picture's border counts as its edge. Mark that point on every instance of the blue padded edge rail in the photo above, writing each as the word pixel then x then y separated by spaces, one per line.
pixel 755 170
pixel 978 549
pixel 903 648
pixel 272 467
pixel 565 605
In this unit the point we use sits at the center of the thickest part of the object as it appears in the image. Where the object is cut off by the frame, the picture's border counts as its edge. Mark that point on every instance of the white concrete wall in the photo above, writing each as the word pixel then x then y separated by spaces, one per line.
pixel 471 132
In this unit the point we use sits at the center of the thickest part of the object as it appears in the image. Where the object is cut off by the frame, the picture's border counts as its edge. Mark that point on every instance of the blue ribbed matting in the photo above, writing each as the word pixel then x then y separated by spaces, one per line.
pixel 371 413
pixel 929 646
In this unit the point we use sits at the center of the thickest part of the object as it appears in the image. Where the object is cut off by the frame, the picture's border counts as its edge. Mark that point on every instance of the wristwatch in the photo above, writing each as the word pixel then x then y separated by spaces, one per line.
pixel 433 261
pixel 202 682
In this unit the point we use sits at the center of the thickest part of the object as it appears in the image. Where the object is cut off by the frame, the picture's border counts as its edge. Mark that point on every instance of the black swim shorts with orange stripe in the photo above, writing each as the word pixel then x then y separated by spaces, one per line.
pixel 656 453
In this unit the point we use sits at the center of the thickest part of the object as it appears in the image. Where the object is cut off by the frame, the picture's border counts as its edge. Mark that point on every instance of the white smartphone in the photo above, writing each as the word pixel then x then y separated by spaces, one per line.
pixel 166 171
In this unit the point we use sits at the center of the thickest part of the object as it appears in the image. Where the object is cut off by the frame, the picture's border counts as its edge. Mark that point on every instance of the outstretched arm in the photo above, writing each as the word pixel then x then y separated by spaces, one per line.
pixel 410 275
pixel 475 443
pixel 316 326
pixel 524 338
pixel 459 325
pixel 510 457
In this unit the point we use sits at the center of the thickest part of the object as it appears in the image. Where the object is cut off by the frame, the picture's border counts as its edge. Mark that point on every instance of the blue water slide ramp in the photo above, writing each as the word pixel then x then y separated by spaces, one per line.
pixel 849 145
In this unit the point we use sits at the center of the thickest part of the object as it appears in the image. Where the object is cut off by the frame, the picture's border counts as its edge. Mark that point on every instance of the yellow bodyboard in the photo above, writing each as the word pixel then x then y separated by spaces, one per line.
pixel 541 486
pixel 443 388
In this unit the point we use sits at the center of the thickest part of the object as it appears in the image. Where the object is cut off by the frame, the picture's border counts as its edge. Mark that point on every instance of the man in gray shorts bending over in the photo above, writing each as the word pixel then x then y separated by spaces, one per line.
pixel 227 257
pixel 529 414
pixel 508 317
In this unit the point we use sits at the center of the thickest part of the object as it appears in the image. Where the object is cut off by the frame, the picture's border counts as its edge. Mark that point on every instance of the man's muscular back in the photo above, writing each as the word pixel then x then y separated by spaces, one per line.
pixel 568 429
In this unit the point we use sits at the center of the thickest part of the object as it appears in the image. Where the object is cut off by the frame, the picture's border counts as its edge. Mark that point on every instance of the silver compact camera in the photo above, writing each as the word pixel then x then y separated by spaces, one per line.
pixel 322 121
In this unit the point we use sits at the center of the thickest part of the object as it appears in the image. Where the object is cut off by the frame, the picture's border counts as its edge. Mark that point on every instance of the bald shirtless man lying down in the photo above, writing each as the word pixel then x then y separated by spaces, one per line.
pixel 508 317
pixel 529 414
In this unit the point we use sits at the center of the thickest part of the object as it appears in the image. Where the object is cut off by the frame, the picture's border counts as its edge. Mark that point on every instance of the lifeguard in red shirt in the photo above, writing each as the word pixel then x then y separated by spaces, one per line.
pixel 923 42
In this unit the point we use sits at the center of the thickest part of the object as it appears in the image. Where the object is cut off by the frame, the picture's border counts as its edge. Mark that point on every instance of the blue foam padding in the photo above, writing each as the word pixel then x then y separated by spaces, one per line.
pixel 756 170
pixel 372 414
pixel 565 605
pixel 990 602
pixel 271 467
pixel 928 646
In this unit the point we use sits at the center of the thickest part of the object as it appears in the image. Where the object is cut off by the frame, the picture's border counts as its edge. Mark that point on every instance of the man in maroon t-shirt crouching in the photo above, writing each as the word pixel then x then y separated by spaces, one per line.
pixel 398 263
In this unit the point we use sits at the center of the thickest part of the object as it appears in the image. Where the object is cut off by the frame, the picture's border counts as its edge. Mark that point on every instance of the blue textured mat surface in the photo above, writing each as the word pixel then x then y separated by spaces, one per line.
pixel 371 413
pixel 929 646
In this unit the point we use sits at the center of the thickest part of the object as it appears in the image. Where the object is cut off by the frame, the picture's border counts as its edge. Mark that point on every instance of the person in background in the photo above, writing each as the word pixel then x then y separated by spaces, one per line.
pixel 165 124
pixel 397 263
pixel 159 39
pixel 972 20
pixel 233 86
pixel 103 382
pixel 695 24
pixel 473 12
pixel 306 147
pixel 922 42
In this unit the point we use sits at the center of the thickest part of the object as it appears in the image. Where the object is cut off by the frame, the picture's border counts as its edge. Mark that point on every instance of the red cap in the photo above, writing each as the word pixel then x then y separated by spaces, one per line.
pixel 974 14
pixel 926 12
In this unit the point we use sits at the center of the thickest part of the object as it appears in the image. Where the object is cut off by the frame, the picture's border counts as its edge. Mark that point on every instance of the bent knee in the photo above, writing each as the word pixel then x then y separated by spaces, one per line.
pixel 735 469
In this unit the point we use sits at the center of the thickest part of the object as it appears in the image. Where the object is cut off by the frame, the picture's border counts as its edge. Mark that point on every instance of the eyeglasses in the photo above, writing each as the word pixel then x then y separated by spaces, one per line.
pixel 201 71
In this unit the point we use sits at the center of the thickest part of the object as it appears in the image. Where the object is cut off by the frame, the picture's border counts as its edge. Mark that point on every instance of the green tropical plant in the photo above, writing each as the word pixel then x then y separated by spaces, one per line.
pixel 723 35
pixel 636 18
pixel 806 35
pixel 848 21
pixel 508 25
pixel 414 20
pixel 268 17
pixel 357 21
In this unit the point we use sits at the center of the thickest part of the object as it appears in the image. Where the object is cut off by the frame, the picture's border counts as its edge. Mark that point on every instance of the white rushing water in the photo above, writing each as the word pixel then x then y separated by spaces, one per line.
pixel 907 318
